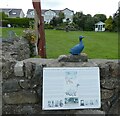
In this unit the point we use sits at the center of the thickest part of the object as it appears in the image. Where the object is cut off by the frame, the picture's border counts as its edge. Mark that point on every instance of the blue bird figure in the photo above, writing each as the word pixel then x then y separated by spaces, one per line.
pixel 77 49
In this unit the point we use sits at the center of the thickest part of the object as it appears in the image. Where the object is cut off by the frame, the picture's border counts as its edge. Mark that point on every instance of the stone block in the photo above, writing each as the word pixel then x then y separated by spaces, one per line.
pixel 104 70
pixel 27 110
pixel 28 70
pixel 106 94
pixel 18 69
pixel 22 110
pixel 0 66
pixel 8 69
pixel 21 97
pixel 109 83
pixel 90 112
pixel 38 71
pixel 73 58
pixel 11 85
pixel 114 69
pixel 37 76
pixel 115 108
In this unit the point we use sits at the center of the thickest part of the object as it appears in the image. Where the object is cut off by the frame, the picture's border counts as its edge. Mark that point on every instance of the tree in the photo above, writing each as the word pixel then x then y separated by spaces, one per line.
pixel 84 22
pixel 61 15
pixel 3 21
pixel 116 20
pixel 79 19
pixel 60 18
pixel 109 24
pixel 57 20
pixel 99 17
pixel 53 22
pixel 119 19
pixel 89 23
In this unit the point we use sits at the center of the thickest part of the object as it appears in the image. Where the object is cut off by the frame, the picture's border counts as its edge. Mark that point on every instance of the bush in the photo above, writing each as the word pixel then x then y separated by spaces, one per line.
pixel 48 26
pixel 30 36
pixel 59 28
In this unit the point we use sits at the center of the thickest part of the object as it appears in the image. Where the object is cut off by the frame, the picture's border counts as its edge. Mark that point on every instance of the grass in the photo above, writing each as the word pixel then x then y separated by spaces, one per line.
pixel 102 45
pixel 4 31
pixel 97 44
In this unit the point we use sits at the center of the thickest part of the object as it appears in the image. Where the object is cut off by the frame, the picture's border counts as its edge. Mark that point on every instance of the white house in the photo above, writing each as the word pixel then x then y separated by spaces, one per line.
pixel 100 26
pixel 13 13
pixel 68 15
pixel 49 14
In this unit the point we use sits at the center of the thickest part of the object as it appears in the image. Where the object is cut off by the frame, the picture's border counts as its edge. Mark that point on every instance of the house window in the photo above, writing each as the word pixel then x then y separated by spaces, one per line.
pixel 14 13
pixel 32 13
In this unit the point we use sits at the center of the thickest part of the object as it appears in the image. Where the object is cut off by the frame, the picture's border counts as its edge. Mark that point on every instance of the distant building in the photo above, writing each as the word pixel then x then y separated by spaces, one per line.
pixel 30 13
pixel 100 26
pixel 13 13
pixel 68 14
pixel 49 14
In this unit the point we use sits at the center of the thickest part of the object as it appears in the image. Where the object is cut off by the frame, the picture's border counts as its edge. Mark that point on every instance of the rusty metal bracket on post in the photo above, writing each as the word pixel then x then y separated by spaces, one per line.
pixel 39 19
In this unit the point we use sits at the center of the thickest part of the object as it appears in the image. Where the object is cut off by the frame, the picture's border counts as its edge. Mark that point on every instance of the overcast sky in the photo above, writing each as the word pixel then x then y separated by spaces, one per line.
pixel 107 7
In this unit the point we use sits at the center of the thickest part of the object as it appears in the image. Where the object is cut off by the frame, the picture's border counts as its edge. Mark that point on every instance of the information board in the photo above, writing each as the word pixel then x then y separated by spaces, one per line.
pixel 71 88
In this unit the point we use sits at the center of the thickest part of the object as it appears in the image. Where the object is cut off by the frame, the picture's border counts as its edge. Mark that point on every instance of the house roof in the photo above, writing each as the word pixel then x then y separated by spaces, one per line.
pixel 44 10
pixel 100 23
pixel 68 9
pixel 12 12
pixel 30 10
pixel 15 12
pixel 56 11
pixel 5 10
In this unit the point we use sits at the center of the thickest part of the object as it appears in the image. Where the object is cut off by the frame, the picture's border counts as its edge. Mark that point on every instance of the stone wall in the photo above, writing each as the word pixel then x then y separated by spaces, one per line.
pixel 22 86
pixel 0 79
pixel 17 49
pixel 12 49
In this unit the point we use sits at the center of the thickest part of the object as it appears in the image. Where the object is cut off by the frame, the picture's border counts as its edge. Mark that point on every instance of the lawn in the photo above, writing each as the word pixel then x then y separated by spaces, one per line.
pixel 97 44
pixel 18 31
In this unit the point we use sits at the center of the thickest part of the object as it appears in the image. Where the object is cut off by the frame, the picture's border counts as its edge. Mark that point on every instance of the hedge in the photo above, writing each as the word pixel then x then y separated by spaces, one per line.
pixel 17 22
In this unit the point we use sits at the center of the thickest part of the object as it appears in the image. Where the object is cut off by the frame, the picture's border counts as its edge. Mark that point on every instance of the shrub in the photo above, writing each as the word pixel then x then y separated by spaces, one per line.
pixel 48 26
pixel 30 36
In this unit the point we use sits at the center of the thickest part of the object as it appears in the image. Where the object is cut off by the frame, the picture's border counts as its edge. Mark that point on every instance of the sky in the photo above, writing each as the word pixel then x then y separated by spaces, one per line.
pixel 107 7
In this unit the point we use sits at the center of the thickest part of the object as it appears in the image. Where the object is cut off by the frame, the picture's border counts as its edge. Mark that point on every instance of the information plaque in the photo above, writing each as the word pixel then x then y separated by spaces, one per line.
pixel 71 88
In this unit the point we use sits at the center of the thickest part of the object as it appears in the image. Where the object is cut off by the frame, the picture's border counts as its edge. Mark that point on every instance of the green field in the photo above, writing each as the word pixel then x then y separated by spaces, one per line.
pixel 102 45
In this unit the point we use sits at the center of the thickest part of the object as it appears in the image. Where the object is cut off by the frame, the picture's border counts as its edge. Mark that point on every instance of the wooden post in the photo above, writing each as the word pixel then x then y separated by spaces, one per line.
pixel 41 44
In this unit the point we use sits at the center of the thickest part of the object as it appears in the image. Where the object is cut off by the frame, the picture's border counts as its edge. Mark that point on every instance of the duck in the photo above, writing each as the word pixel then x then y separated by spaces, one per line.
pixel 77 49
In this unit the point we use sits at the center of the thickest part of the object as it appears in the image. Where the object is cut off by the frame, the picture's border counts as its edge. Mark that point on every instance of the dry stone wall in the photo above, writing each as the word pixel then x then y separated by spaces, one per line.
pixel 22 90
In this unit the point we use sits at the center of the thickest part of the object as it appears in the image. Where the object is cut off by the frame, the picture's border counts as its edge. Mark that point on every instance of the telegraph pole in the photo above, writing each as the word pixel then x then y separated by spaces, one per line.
pixel 39 19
